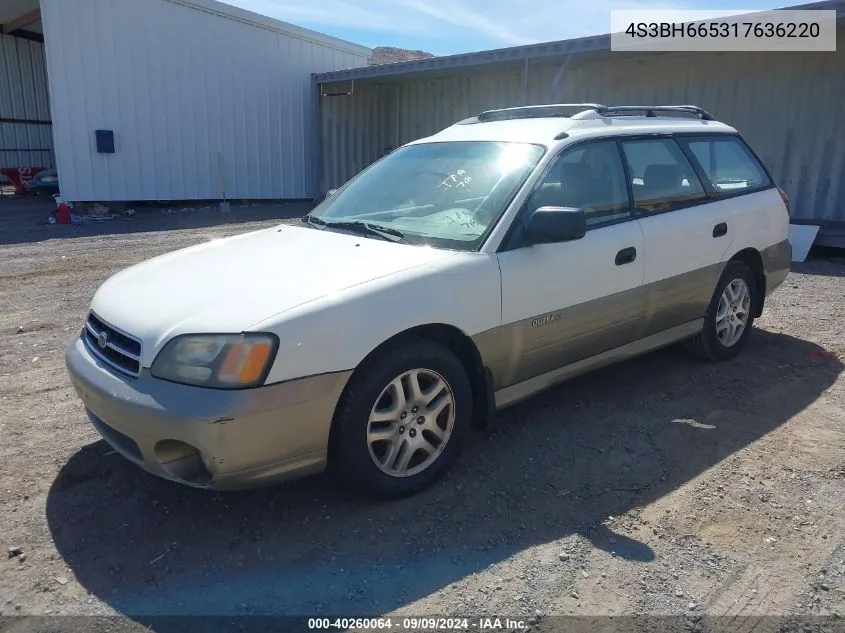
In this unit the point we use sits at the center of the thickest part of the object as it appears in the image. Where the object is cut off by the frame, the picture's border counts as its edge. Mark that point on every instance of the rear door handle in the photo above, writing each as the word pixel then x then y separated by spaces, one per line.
pixel 626 256
pixel 720 229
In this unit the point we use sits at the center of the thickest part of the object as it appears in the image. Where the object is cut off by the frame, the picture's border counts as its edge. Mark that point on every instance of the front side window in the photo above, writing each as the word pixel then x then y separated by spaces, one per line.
pixel 728 163
pixel 588 177
pixel 662 178
pixel 442 194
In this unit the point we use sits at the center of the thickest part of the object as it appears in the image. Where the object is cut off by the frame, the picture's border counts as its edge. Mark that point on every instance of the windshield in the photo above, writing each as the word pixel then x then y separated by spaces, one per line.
pixel 443 194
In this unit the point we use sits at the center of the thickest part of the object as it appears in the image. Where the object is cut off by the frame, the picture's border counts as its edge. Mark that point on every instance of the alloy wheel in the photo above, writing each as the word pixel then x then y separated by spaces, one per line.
pixel 733 311
pixel 411 422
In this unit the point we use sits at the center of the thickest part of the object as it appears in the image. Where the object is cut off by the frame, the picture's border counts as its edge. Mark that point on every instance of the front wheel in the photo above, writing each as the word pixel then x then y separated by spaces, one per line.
pixel 729 317
pixel 402 420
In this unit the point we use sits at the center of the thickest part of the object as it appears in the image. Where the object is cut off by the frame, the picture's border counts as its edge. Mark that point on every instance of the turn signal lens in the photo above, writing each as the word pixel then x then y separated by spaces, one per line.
pixel 244 362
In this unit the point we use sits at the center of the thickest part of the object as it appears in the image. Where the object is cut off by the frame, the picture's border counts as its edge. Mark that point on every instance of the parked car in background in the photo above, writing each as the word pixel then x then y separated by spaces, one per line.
pixel 460 273
pixel 45 182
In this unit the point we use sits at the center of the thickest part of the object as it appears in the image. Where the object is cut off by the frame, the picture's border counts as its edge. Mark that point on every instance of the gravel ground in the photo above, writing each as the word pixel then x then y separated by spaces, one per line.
pixel 662 486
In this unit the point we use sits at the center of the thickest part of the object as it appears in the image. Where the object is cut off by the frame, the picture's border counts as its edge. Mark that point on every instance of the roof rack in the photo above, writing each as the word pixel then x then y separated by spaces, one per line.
pixel 651 111
pixel 537 111
pixel 586 109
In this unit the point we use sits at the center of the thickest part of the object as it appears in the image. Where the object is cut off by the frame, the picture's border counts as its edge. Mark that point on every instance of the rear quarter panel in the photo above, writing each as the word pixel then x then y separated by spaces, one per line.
pixel 759 220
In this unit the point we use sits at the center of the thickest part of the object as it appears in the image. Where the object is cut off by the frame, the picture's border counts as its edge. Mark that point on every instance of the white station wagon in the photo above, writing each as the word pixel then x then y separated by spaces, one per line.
pixel 457 275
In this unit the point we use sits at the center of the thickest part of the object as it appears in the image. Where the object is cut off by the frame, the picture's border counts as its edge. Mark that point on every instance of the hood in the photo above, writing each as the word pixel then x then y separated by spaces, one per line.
pixel 230 284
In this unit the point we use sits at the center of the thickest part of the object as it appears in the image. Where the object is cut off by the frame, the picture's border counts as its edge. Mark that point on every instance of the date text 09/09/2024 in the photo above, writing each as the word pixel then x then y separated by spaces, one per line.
pixel 724 29
pixel 409 624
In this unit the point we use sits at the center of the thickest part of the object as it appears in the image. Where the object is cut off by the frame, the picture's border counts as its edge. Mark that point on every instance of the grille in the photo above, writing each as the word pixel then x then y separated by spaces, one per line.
pixel 113 347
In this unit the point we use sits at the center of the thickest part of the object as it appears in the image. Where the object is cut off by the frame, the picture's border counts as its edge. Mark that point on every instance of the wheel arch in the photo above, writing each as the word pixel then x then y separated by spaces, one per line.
pixel 751 257
pixel 460 344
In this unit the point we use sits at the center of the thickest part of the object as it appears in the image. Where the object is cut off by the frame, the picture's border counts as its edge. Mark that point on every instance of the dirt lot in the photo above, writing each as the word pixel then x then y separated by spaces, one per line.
pixel 662 486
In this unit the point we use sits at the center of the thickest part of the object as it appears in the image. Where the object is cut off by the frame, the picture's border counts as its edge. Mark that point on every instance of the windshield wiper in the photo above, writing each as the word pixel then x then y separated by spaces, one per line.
pixel 383 232
pixel 368 228
pixel 312 220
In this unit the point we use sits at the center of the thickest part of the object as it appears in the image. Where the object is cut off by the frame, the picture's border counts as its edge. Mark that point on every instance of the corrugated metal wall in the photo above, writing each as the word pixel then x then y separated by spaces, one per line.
pixel 23 95
pixel 357 129
pixel 198 102
pixel 788 106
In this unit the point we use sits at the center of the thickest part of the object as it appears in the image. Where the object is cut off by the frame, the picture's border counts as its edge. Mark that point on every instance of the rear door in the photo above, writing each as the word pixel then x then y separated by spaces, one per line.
pixel 737 178
pixel 687 233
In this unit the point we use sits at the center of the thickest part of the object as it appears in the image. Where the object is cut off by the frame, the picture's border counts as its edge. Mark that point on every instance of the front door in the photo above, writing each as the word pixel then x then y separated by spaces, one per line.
pixel 564 302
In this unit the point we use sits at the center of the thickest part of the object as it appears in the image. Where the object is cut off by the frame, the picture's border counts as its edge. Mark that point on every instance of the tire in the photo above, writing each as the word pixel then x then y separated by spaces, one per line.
pixel 371 408
pixel 709 345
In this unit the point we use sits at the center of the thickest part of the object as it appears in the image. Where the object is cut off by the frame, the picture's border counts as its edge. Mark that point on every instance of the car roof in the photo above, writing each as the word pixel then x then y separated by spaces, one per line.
pixel 534 124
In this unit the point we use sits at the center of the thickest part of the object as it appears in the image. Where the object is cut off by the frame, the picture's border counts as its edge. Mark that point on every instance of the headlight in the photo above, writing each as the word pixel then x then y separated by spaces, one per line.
pixel 219 361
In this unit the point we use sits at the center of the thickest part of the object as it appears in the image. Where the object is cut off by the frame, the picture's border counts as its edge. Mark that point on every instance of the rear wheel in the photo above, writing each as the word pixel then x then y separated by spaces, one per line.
pixel 402 420
pixel 729 316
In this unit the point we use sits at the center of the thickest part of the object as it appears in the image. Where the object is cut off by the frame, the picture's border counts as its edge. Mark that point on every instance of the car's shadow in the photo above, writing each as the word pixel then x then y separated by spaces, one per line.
pixel 554 466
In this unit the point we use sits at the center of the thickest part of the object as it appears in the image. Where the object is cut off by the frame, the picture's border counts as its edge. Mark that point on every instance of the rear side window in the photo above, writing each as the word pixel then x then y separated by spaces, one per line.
pixel 662 178
pixel 728 164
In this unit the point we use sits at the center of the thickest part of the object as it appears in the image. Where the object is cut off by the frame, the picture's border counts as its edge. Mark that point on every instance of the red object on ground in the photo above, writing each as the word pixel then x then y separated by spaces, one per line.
pixel 18 176
pixel 63 213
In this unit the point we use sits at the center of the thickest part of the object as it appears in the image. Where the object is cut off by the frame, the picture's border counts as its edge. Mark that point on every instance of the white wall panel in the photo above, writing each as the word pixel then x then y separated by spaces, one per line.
pixel 198 101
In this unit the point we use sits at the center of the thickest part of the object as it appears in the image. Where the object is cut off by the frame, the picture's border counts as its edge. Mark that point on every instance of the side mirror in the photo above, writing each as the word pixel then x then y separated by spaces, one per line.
pixel 331 192
pixel 555 224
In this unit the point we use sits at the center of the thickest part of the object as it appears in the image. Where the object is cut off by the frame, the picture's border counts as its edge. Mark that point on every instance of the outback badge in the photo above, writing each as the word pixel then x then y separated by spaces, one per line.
pixel 546 319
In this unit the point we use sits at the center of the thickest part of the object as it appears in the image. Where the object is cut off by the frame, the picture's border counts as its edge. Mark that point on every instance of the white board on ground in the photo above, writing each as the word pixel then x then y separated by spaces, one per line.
pixel 801 237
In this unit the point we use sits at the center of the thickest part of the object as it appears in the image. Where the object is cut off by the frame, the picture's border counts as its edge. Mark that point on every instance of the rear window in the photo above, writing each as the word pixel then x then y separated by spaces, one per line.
pixel 728 164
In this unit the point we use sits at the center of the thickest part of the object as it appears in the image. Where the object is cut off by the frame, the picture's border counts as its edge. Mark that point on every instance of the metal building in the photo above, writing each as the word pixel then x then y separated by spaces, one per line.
pixel 168 99
pixel 25 137
pixel 788 105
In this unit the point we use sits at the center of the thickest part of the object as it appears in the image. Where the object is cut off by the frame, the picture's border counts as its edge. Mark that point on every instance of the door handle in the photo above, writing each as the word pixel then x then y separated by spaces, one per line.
pixel 720 229
pixel 626 256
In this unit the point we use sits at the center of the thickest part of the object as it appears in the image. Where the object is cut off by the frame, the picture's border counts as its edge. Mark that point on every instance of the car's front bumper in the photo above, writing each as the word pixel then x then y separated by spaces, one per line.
pixel 210 438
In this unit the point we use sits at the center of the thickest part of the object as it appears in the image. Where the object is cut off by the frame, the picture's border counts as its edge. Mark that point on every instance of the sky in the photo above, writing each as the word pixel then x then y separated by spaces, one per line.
pixel 446 27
